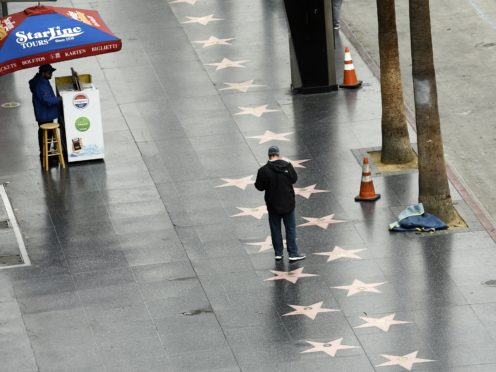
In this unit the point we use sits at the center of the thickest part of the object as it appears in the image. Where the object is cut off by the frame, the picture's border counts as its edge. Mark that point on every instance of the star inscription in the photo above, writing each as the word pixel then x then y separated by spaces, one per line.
pixel 322 222
pixel 203 20
pixel 242 87
pixel 310 311
pixel 306 192
pixel 339 252
pixel 227 63
pixel 192 2
pixel 383 323
pixel 212 40
pixel 296 163
pixel 406 361
pixel 271 136
pixel 290 276
pixel 266 244
pixel 358 287
pixel 257 212
pixel 240 183
pixel 330 347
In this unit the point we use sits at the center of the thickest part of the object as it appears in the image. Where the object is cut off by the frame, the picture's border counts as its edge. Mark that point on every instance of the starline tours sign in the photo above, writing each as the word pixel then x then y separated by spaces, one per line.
pixel 44 34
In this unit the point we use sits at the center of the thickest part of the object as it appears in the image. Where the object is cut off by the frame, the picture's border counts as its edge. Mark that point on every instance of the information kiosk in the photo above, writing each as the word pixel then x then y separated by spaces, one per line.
pixel 82 117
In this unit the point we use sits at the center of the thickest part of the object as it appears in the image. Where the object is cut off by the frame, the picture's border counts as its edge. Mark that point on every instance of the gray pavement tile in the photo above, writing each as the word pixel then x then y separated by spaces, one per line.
pixel 131 349
pixel 103 278
pixel 55 284
pixel 132 312
pixel 136 209
pixel 114 332
pixel 181 270
pixel 191 303
pixel 220 359
pixel 145 193
pixel 111 297
pixel 82 356
pixel 103 261
pixel 18 359
pixel 222 265
pixel 345 364
pixel 139 365
pixel 158 222
pixel 49 302
pixel 169 288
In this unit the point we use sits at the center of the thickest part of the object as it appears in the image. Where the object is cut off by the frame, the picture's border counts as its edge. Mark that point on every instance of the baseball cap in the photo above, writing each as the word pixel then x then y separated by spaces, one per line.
pixel 47 68
pixel 273 150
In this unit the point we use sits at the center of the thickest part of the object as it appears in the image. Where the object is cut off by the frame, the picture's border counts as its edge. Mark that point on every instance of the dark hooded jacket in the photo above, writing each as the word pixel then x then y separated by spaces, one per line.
pixel 45 102
pixel 276 178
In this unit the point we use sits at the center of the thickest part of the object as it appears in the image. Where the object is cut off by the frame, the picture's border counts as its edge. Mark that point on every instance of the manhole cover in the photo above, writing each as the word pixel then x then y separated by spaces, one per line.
pixel 4 224
pixel 490 283
pixel 14 259
pixel 10 104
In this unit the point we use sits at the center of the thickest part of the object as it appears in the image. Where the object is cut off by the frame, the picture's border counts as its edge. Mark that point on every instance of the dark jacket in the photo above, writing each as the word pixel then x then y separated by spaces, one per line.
pixel 276 178
pixel 45 102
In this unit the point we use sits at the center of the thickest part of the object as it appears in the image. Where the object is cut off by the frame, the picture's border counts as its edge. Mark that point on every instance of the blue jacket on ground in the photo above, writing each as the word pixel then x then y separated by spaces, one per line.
pixel 45 102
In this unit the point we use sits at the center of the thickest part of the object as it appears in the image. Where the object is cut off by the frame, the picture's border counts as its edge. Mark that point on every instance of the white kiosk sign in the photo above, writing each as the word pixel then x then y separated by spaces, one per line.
pixel 83 124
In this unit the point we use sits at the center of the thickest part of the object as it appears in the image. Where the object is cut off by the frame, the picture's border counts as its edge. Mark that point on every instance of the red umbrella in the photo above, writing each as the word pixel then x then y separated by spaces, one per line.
pixel 45 34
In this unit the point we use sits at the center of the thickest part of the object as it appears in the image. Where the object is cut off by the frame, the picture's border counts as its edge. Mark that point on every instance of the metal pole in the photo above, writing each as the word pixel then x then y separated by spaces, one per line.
pixel 5 10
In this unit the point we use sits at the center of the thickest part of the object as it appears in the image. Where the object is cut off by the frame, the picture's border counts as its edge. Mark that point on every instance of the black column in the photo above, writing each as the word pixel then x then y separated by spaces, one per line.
pixel 311 45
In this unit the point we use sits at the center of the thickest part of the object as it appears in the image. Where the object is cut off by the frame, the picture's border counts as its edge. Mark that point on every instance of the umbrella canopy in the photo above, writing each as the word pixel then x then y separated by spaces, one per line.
pixel 45 34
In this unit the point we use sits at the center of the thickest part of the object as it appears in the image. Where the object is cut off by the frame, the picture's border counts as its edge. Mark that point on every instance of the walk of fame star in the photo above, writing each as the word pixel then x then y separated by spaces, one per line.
pixel 271 136
pixel 406 361
pixel 310 311
pixel 322 222
pixel 257 111
pixel 330 347
pixel 306 192
pixel 192 2
pixel 257 212
pixel 242 87
pixel 203 20
pixel 227 63
pixel 339 252
pixel 296 163
pixel 358 286
pixel 290 276
pixel 266 244
pixel 383 323
pixel 212 40
pixel 240 183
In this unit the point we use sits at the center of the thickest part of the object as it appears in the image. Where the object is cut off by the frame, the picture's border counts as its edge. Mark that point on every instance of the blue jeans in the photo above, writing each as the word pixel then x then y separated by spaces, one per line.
pixel 276 234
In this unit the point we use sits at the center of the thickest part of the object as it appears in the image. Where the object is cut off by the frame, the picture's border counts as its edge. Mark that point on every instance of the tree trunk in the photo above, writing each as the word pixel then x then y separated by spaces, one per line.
pixel 396 147
pixel 434 190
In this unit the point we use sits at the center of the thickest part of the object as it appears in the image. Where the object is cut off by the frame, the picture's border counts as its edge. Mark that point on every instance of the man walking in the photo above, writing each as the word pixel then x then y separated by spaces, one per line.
pixel 276 178
pixel 46 104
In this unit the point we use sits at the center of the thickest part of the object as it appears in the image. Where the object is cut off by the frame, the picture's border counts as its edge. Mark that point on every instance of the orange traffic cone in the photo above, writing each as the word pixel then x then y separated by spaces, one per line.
pixel 349 77
pixel 367 192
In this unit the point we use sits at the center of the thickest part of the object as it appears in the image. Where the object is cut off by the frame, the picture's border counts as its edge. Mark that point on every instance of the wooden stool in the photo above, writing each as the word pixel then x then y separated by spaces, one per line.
pixel 54 140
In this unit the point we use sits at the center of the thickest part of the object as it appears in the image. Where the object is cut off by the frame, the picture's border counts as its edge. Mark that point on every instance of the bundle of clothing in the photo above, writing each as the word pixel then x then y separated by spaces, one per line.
pixel 414 218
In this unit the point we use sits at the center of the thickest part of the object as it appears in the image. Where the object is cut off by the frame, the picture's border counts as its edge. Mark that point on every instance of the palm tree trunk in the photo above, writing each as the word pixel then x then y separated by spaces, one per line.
pixel 434 190
pixel 396 147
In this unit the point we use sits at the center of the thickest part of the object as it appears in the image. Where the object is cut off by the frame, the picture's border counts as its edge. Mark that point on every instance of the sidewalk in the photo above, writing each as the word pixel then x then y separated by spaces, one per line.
pixel 140 264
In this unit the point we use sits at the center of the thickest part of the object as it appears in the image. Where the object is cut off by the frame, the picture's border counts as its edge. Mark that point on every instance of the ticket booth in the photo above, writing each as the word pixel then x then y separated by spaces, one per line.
pixel 82 118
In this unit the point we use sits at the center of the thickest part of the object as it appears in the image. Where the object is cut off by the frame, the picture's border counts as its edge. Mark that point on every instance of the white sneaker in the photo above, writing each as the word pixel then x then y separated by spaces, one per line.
pixel 298 257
